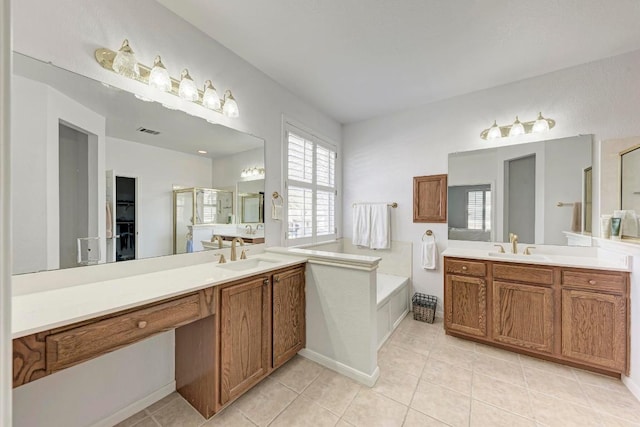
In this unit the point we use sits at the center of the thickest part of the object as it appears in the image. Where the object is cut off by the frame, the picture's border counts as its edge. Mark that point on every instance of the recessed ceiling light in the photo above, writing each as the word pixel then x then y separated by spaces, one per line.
pixel 202 152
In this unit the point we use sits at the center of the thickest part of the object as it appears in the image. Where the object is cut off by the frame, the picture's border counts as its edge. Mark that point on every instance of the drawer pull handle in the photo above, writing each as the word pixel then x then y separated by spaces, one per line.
pixel 465 268
pixel 592 282
pixel 142 324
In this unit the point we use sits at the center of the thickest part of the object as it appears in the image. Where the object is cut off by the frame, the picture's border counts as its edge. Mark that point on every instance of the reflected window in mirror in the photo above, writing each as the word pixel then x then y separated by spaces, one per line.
pixel 470 212
pixel 630 179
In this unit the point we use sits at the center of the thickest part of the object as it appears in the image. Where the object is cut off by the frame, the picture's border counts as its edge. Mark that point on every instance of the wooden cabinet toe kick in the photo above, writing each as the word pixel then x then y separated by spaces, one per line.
pixel 38 355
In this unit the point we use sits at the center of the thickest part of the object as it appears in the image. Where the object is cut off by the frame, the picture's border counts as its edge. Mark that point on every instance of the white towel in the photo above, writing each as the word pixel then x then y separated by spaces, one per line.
pixel 109 218
pixel 380 226
pixel 276 211
pixel 361 225
pixel 429 254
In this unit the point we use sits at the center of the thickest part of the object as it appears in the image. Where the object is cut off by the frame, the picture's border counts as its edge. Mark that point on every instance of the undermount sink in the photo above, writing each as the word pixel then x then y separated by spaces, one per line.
pixel 248 264
pixel 520 257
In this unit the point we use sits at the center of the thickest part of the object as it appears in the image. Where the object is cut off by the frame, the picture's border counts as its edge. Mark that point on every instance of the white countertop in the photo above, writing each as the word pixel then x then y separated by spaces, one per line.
pixel 597 258
pixel 41 311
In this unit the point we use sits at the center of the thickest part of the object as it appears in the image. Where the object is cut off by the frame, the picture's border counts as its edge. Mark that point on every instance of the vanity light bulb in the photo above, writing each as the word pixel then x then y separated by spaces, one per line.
pixel 230 107
pixel 210 98
pixel 125 62
pixel 159 76
pixel 187 89
pixel 494 131
pixel 541 125
pixel 516 128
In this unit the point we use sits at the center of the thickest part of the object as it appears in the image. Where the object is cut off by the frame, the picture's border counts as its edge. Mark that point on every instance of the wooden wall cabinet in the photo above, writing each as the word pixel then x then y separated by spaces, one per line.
pixel 574 316
pixel 430 198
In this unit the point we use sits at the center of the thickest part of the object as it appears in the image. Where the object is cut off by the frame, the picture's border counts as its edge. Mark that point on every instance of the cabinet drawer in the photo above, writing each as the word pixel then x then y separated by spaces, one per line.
pixel 595 280
pixel 470 268
pixel 76 345
pixel 522 273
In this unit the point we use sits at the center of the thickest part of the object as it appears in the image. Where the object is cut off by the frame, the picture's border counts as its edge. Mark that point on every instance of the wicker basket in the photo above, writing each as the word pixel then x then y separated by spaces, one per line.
pixel 424 307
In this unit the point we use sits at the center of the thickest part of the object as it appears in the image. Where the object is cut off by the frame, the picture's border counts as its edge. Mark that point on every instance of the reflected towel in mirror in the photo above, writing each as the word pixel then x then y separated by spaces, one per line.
pixel 576 217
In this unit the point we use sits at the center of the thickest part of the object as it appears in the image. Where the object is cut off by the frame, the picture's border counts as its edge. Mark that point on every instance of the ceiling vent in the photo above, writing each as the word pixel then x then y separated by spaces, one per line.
pixel 149 131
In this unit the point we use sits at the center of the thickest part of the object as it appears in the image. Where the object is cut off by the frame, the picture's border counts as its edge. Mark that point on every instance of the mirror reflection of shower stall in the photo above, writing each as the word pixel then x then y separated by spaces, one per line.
pixel 195 211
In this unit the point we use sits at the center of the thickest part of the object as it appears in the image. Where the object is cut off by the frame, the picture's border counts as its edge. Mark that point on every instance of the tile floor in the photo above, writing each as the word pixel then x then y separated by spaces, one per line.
pixel 427 379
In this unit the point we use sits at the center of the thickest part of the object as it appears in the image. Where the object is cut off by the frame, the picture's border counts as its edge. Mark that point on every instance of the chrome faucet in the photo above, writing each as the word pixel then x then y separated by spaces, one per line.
pixel 234 254
pixel 219 239
pixel 259 227
pixel 513 239
pixel 250 228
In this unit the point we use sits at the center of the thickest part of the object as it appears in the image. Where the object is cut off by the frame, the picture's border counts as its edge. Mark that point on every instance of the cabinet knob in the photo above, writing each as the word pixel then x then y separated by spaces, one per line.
pixel 592 282
pixel 465 268
pixel 142 324
pixel 276 278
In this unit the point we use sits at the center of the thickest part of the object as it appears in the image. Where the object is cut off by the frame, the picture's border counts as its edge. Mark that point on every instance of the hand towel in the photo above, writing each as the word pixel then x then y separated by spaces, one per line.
pixel 429 254
pixel 361 225
pixel 380 226
pixel 109 217
pixel 576 218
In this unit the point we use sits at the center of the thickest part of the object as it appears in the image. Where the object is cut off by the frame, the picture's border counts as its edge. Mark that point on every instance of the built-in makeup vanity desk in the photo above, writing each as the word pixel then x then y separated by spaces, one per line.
pixel 234 324
pixel 569 309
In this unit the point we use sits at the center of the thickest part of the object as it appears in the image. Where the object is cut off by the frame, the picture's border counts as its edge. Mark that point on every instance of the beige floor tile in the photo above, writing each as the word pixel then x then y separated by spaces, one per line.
pixel 611 421
pixel 452 341
pixel 146 422
pixel 400 359
pixel 135 418
pixel 298 373
pixel 619 403
pixel 497 353
pixel 418 419
pixel 545 365
pixel 413 327
pixel 554 385
pixel 371 409
pixel 454 355
pixel 591 378
pixel 502 394
pixel 483 415
pixel 415 343
pixel 343 423
pixel 396 385
pixel 178 413
pixel 229 417
pixel 304 412
pixel 448 375
pixel 499 369
pixel 441 403
pixel 163 402
pixel 554 412
pixel 264 402
pixel 332 391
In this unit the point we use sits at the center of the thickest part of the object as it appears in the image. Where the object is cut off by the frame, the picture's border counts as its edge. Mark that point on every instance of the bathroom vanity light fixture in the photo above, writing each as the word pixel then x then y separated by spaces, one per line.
pixel 541 124
pixel 125 63
pixel 254 172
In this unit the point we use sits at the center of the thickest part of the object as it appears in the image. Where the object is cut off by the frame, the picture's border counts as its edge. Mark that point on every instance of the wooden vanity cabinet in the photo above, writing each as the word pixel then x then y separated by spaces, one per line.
pixel 465 297
pixel 569 315
pixel 245 336
pixel 523 309
pixel 289 332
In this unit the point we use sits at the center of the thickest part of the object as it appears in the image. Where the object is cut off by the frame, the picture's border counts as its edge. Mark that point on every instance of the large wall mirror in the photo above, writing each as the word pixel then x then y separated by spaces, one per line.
pixel 94 171
pixel 536 190
pixel 630 179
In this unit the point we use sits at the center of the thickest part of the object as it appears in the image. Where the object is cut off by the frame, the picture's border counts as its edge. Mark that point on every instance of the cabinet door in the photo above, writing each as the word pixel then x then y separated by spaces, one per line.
pixel 466 305
pixel 245 332
pixel 523 315
pixel 288 315
pixel 594 328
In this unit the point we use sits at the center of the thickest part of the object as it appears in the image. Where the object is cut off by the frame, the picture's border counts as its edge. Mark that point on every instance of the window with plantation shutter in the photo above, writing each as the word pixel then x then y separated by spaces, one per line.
pixel 479 210
pixel 310 202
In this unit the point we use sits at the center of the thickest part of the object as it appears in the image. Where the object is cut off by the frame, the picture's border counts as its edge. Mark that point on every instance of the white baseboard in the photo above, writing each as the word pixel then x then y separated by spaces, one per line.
pixel 633 387
pixel 137 406
pixel 341 368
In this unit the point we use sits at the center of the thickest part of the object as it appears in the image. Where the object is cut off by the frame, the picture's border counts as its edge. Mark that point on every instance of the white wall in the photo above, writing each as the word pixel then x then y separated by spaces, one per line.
pixel 66 33
pixel 157 170
pixel 227 169
pixel 599 98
